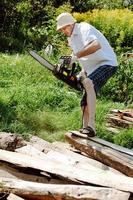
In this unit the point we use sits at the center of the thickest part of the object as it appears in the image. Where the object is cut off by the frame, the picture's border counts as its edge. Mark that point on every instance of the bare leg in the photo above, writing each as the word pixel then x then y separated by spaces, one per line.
pixel 91 103
pixel 85 114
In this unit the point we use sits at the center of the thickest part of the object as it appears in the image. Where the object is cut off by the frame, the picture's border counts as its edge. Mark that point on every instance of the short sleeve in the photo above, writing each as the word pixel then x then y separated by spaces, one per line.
pixel 87 33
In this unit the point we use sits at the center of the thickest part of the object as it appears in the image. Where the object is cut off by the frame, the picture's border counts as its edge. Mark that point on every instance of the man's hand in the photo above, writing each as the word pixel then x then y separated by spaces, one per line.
pixel 73 59
pixel 81 76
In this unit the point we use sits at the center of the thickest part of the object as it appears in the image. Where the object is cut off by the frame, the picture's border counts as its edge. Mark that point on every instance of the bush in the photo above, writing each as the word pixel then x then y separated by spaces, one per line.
pixel 120 85
pixel 116 25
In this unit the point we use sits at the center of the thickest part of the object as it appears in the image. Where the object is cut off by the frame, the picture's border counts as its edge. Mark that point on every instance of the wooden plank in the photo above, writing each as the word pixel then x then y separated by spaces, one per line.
pixel 112 129
pixel 127 118
pixel 7 171
pixel 127 112
pixel 102 178
pixel 39 144
pixel 40 191
pixel 119 122
pixel 61 158
pixel 14 197
pixel 101 153
pixel 106 143
pixel 79 158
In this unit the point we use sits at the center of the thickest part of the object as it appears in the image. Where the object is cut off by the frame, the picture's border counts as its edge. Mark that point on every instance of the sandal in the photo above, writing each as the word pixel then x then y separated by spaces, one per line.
pixel 81 130
pixel 89 131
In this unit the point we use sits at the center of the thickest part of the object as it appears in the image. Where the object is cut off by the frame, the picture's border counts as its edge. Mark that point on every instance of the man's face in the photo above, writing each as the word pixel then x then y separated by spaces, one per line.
pixel 67 30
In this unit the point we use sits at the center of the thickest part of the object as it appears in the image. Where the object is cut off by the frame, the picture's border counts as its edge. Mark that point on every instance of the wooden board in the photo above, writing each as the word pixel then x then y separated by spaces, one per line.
pixel 14 197
pixel 105 143
pixel 67 159
pixel 120 122
pixel 38 191
pixel 78 158
pixel 101 178
pixel 105 154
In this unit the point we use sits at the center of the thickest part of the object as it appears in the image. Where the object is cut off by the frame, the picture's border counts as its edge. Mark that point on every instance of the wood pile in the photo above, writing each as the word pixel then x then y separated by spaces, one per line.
pixel 83 169
pixel 119 119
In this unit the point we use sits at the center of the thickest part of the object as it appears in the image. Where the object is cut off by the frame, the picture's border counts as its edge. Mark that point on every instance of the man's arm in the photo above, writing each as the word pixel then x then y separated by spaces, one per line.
pixel 89 49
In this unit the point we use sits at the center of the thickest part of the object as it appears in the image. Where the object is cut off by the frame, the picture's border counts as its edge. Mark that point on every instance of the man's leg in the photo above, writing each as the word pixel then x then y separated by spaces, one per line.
pixel 85 114
pixel 90 109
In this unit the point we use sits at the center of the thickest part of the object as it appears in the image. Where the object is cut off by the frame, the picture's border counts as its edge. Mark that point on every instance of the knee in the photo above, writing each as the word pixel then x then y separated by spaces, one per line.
pixel 88 84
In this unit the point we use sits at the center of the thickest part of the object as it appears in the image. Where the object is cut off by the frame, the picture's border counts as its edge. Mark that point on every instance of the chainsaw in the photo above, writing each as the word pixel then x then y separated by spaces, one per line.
pixel 62 70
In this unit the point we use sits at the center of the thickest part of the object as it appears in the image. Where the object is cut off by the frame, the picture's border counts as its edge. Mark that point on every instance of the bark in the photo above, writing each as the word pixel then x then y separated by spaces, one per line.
pixel 38 191
pixel 101 178
pixel 120 161
pixel 10 142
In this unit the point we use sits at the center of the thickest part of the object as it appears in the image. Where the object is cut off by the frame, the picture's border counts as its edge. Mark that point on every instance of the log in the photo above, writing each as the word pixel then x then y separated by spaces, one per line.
pixel 127 152
pixel 101 178
pixel 120 122
pixel 127 112
pixel 8 171
pixel 38 191
pixel 60 158
pixel 45 146
pixel 112 129
pixel 10 142
pixel 14 197
pixel 111 157
pixel 79 158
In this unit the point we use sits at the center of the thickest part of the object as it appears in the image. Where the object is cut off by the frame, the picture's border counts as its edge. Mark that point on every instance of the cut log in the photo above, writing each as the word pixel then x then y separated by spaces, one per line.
pixel 127 112
pixel 45 146
pixel 104 154
pixel 8 171
pixel 40 143
pixel 104 143
pixel 64 145
pixel 14 197
pixel 38 191
pixel 127 118
pixel 60 158
pixel 119 122
pixel 78 157
pixel 112 129
pixel 10 142
pixel 101 178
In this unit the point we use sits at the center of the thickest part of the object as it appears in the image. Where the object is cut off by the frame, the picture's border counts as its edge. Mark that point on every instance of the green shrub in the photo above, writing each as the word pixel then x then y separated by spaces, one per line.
pixel 120 86
pixel 116 25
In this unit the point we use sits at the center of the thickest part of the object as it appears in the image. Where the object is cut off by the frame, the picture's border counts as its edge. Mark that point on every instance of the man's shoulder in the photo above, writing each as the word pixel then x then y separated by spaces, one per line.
pixel 84 26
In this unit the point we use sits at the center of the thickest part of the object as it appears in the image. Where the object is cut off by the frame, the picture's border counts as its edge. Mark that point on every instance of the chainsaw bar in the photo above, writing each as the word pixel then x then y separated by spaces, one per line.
pixel 42 60
pixel 61 73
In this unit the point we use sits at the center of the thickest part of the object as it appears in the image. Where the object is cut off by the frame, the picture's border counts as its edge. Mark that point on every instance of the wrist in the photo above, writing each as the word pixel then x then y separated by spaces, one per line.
pixel 78 55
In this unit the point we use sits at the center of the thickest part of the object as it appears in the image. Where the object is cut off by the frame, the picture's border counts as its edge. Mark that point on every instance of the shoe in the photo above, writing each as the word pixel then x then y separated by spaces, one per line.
pixel 81 130
pixel 88 131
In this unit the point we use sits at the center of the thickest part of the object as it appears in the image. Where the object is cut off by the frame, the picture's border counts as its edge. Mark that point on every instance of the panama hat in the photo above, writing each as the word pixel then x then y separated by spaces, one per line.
pixel 64 19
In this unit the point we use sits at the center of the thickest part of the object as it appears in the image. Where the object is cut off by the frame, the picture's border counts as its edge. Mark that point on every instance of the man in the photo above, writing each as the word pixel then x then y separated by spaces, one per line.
pixel 97 59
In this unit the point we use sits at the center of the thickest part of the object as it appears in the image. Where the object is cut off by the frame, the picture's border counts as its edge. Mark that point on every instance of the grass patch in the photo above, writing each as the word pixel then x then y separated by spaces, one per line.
pixel 33 101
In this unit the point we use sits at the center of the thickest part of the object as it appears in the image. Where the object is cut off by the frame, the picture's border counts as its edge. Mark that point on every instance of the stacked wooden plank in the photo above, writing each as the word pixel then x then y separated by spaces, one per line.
pixel 41 170
pixel 119 119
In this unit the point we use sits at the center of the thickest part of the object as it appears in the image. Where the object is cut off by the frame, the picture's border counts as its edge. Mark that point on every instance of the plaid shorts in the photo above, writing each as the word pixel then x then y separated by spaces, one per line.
pixel 99 77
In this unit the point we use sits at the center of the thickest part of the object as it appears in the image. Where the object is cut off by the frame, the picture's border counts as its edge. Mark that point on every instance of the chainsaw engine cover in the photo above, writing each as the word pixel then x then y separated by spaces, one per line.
pixel 67 73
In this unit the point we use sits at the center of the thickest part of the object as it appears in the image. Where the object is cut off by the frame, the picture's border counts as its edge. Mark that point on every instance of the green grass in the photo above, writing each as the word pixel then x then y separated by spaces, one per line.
pixel 32 101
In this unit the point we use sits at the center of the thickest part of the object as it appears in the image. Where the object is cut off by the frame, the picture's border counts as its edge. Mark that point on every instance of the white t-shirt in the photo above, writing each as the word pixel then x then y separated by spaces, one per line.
pixel 84 33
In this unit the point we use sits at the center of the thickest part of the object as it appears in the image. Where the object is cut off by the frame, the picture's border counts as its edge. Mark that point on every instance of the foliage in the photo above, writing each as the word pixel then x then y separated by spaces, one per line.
pixel 120 86
pixel 32 24
pixel 116 25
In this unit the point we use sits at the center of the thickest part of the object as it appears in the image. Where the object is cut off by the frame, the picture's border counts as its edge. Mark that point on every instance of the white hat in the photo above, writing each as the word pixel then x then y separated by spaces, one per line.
pixel 64 19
